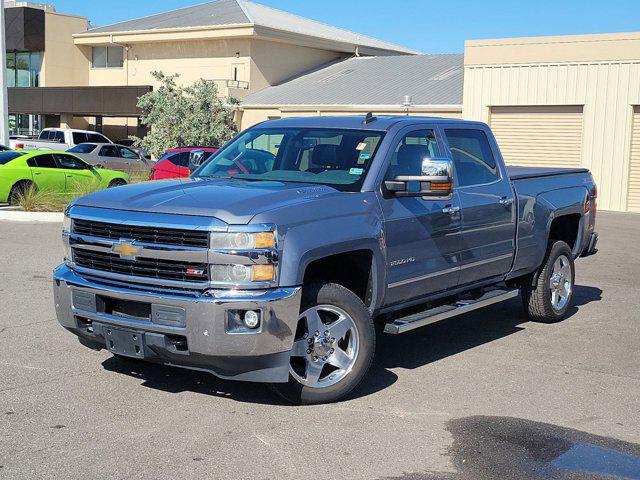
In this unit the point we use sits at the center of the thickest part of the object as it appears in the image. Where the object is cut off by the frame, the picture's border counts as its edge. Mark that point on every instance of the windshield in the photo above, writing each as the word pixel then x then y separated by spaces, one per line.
pixel 6 157
pixel 83 148
pixel 336 157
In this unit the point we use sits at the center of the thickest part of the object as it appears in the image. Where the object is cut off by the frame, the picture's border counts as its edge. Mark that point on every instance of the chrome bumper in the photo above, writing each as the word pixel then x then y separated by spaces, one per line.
pixel 261 355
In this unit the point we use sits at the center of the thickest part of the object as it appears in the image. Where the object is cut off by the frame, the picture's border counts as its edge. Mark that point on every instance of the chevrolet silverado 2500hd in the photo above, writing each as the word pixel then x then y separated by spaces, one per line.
pixel 274 260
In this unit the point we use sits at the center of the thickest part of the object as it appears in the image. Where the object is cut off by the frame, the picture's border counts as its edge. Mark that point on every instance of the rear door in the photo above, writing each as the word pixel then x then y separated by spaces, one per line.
pixel 422 235
pixel 110 158
pixel 78 175
pixel 46 174
pixel 487 201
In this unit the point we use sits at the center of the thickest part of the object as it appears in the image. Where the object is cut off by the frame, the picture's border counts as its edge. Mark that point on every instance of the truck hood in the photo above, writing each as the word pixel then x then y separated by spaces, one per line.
pixel 232 201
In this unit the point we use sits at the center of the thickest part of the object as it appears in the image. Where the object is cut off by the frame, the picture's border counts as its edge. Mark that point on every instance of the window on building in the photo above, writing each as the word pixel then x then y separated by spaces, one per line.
pixel 107 57
pixel 23 69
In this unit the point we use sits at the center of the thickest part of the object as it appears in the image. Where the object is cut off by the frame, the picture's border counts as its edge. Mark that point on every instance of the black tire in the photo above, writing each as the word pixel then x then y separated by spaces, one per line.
pixel 335 295
pixel 537 299
pixel 19 189
pixel 118 182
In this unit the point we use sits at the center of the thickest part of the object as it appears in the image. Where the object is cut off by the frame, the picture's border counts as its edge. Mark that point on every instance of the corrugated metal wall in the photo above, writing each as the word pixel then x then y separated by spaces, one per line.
pixel 606 90
pixel 548 136
pixel 634 168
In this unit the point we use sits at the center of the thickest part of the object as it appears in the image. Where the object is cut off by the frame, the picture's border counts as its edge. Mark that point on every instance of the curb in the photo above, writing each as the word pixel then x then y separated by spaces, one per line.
pixel 19 216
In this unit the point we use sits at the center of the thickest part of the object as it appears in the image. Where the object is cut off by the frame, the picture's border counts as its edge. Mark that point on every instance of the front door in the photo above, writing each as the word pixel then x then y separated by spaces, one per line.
pixel 488 209
pixel 422 236
pixel 80 178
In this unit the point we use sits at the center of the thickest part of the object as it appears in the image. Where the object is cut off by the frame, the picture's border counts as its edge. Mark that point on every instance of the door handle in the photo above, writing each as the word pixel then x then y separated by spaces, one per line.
pixel 450 210
pixel 506 202
pixel 37 173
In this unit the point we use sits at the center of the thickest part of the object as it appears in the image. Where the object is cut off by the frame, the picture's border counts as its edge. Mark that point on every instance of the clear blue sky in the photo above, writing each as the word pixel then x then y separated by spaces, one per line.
pixel 428 26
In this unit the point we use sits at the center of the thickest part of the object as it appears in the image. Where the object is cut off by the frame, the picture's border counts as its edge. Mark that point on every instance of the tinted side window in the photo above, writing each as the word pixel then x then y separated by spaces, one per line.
pixel 109 151
pixel 42 161
pixel 58 137
pixel 71 163
pixel 79 137
pixel 180 159
pixel 411 150
pixel 97 138
pixel 472 157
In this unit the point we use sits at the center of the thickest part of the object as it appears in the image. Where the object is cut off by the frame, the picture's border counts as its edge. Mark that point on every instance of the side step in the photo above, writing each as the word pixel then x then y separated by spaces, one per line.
pixel 436 314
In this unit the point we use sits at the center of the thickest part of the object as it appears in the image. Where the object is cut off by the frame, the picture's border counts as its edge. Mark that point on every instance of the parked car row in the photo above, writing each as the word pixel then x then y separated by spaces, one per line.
pixel 60 158
pixel 58 172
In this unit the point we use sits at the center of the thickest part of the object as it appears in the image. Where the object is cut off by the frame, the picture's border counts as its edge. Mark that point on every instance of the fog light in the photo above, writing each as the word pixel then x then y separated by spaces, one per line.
pixel 251 319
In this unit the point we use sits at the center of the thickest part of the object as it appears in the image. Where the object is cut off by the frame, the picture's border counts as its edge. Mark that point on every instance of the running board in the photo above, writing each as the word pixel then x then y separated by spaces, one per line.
pixel 433 315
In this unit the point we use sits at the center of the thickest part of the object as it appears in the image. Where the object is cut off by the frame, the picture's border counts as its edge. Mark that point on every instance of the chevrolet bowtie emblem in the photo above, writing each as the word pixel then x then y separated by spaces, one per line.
pixel 126 250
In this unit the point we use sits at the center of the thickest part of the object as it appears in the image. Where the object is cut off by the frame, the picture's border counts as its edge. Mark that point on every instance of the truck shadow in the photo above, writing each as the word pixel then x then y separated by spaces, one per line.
pixel 410 350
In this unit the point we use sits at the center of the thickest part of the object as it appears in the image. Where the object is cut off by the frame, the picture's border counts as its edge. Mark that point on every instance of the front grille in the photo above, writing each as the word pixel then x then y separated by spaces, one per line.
pixel 141 267
pixel 163 236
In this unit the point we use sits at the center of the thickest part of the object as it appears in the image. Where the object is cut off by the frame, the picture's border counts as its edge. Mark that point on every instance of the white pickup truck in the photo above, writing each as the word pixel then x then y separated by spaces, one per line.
pixel 60 139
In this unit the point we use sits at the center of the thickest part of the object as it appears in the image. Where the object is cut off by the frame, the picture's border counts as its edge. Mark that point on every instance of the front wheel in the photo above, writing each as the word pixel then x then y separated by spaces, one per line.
pixel 549 299
pixel 333 347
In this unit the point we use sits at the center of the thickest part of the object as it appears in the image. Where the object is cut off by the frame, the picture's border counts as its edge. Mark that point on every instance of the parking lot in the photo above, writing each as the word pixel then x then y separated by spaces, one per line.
pixel 455 400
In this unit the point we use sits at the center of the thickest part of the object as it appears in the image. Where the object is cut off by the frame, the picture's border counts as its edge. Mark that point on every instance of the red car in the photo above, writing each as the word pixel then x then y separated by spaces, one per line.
pixel 175 162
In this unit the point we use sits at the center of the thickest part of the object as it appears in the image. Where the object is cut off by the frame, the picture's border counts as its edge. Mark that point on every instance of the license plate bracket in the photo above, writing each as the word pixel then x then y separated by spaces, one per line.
pixel 127 343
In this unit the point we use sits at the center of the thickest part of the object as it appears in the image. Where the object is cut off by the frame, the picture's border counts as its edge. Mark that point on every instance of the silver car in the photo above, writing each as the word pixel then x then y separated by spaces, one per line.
pixel 113 157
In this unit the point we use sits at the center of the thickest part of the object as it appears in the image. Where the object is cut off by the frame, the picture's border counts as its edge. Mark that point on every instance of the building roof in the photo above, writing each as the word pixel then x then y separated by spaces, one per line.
pixel 429 79
pixel 221 13
pixel 378 122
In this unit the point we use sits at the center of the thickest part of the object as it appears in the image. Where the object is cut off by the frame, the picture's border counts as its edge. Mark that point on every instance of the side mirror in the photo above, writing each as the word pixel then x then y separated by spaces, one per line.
pixel 436 180
pixel 196 157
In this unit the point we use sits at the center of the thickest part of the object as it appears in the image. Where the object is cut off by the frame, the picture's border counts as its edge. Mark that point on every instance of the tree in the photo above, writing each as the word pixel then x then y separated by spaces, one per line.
pixel 192 115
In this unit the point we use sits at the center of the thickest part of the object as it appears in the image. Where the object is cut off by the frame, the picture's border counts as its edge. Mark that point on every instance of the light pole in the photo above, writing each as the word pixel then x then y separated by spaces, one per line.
pixel 4 108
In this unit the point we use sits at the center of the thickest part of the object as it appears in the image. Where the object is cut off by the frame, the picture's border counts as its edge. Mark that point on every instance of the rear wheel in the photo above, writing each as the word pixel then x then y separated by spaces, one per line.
pixel 19 190
pixel 550 298
pixel 118 182
pixel 333 348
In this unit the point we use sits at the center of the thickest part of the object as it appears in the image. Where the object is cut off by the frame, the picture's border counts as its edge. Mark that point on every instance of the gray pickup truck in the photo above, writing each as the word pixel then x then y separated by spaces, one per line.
pixel 279 256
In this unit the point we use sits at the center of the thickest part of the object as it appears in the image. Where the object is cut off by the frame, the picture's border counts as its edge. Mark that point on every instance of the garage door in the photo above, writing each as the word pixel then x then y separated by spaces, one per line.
pixel 544 136
pixel 633 202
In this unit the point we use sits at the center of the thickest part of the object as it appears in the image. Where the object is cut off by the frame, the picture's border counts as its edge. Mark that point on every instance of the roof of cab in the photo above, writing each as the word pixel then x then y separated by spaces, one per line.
pixel 381 123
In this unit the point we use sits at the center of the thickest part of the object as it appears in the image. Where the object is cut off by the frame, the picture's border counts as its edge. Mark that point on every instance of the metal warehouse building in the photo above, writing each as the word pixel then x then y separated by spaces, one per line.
pixel 553 101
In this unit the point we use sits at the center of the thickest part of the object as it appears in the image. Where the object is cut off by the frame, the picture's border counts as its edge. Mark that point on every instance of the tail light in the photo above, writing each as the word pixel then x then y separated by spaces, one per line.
pixel 19 146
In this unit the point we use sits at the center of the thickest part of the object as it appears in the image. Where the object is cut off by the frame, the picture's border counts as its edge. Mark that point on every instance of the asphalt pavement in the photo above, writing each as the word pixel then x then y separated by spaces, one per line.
pixel 485 396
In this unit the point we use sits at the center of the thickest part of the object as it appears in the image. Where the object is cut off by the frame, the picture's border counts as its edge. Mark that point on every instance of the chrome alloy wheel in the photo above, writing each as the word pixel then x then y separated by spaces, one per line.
pixel 561 283
pixel 326 346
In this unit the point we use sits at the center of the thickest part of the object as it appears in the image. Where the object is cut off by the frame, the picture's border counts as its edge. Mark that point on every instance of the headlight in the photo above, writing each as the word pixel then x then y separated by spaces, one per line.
pixel 242 274
pixel 242 240
pixel 66 224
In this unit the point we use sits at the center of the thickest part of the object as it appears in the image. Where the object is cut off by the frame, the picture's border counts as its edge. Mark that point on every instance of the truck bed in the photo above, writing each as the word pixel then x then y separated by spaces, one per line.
pixel 520 173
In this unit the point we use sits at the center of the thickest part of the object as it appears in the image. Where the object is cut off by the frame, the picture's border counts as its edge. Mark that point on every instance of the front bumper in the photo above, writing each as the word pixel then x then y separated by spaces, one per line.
pixel 185 330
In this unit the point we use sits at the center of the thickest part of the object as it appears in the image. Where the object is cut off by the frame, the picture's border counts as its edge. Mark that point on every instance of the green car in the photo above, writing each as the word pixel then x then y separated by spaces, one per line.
pixel 58 172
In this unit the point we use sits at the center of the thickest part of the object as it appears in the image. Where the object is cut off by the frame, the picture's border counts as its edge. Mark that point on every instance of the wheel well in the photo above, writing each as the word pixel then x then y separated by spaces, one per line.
pixel 27 182
pixel 351 270
pixel 565 228
pixel 118 181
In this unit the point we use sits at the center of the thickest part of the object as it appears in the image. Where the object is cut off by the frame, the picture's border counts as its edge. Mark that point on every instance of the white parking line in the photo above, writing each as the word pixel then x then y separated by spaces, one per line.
pixel 18 216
